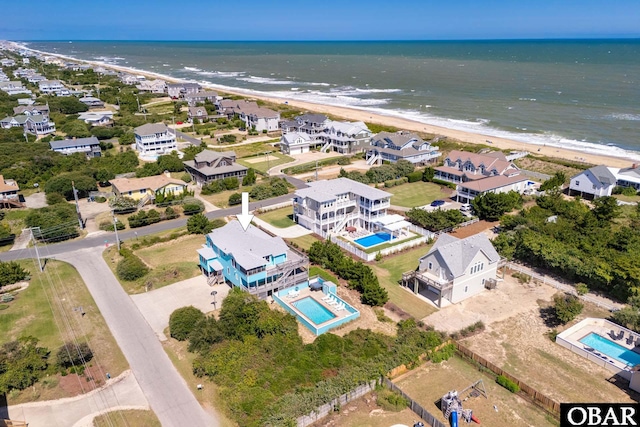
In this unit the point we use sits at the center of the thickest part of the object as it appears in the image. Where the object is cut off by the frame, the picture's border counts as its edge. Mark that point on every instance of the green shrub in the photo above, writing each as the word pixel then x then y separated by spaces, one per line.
pixel 183 320
pixel 108 225
pixel 54 198
pixel 11 272
pixel 508 384
pixel 391 401
pixel 582 289
pixel 100 199
pixel 199 224
pixel 170 213
pixel 186 177
pixel 131 267
pixel 71 354
pixel 442 354
pixel 192 206
pixel 552 334
pixel 522 277
pixel 235 199
pixel 415 176
pixel 567 307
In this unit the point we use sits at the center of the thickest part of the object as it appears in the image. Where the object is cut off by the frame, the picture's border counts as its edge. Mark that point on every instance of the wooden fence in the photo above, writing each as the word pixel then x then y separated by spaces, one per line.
pixel 539 399
pixel 415 406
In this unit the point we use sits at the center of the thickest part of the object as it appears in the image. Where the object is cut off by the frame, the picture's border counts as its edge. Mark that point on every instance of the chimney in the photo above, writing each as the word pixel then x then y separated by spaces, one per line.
pixel 167 174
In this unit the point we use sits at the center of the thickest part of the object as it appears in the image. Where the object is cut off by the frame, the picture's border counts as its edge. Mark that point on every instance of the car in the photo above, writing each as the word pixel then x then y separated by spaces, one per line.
pixel 437 203
pixel 466 207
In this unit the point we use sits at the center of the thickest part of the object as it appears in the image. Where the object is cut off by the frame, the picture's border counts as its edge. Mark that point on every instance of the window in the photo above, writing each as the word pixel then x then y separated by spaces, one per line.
pixel 594 187
pixel 466 288
pixel 577 182
pixel 430 267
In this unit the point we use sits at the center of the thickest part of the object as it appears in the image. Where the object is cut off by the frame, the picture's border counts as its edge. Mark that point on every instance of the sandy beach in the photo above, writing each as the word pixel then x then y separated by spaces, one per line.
pixel 405 124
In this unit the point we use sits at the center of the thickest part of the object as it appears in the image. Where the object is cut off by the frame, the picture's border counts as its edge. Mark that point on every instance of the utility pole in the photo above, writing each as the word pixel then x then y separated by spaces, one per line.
pixel 115 228
pixel 35 246
pixel 75 196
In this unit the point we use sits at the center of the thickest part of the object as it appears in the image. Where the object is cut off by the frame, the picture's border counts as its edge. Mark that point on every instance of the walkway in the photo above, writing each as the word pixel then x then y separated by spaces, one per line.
pixel 287 233
pixel 156 306
pixel 119 393
pixel 164 388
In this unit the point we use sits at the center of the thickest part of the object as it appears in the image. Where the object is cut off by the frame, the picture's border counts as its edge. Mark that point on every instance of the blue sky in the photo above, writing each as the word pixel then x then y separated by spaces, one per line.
pixel 317 20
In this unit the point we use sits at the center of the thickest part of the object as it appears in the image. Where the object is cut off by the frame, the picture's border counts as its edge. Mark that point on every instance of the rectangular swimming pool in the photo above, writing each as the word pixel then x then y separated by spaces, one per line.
pixel 315 311
pixel 374 239
pixel 611 349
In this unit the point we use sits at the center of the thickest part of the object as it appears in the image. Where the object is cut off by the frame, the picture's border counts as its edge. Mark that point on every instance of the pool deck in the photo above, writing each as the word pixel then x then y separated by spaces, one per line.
pixel 570 339
pixel 317 296
pixel 361 234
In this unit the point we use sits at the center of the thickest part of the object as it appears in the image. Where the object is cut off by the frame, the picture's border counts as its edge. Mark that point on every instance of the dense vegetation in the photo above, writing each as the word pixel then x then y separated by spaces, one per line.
pixel 130 267
pixel 360 276
pixel 269 377
pixel 55 223
pixel 274 187
pixel 22 364
pixel 11 272
pixel 491 206
pixel 593 246
pixel 437 219
pixel 383 173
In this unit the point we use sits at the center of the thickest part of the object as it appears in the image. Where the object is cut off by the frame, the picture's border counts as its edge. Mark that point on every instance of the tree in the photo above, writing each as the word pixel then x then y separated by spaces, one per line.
pixel 491 206
pixel 183 321
pixel 127 138
pixel 11 272
pixel 249 178
pixel 606 208
pixel 131 267
pixel 22 363
pixel 199 224
pixel 103 176
pixel 555 182
pixel 63 184
pixel 235 199
pixel 123 204
pixel 567 307
pixel 428 174
pixel 76 129
pixel 70 354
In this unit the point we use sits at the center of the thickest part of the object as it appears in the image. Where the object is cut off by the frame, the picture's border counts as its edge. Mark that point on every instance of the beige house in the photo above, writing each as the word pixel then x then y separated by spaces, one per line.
pixel 455 269
pixel 147 187
pixel 9 193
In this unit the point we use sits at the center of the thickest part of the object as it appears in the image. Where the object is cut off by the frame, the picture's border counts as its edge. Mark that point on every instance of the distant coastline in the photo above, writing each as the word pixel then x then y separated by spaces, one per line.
pixel 599 153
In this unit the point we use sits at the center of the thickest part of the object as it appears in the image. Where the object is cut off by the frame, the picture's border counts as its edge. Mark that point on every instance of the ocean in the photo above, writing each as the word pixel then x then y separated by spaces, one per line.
pixel 578 94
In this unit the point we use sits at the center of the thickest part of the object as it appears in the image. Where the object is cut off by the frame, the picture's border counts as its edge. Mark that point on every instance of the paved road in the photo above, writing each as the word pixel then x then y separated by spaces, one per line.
pixel 188 138
pixel 164 388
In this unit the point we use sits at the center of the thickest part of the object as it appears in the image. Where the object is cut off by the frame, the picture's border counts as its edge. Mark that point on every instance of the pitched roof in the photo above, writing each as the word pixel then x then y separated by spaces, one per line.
pixel 290 138
pixel 154 183
pixel 247 247
pixel 492 182
pixel 7 185
pixel 602 174
pixel 324 191
pixel 79 142
pixel 210 156
pixel 457 254
pixel 349 128
pixel 151 128
pixel 489 162
pixel 205 94
pixel 312 118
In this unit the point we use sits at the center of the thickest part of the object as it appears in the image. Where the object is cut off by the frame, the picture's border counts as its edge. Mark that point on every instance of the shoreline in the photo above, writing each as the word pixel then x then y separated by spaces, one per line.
pixel 356 114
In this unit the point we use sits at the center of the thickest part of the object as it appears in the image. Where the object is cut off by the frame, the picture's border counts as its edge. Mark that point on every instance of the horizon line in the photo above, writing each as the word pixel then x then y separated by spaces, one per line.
pixel 610 38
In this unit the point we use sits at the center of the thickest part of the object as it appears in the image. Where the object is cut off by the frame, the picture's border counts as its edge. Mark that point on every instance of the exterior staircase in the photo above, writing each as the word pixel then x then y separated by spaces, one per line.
pixel 325 147
pixel 146 199
pixel 373 159
pixel 343 222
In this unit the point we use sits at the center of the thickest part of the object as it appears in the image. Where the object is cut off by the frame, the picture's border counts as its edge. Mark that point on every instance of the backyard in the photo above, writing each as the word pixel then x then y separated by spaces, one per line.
pixel 264 163
pixel 245 150
pixel 281 218
pixel 429 382
pixel 169 262
pixel 417 194
pixel 37 311
pixel 389 272
pixel 304 242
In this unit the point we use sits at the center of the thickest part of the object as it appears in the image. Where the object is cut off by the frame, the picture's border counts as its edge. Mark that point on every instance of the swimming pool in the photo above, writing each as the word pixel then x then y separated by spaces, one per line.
pixel 315 311
pixel 374 239
pixel 611 349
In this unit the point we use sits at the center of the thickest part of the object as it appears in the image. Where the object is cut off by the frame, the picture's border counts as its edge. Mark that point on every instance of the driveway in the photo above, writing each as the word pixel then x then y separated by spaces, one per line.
pixel 122 392
pixel 166 391
pixel 288 232
pixel 156 306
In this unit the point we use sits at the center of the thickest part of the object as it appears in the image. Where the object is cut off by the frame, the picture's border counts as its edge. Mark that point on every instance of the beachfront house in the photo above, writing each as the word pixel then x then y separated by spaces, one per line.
pixel 48 87
pixel 154 138
pixel 454 269
pixel 259 119
pixel 252 260
pixel 194 99
pixel 317 131
pixel 144 190
pixel 97 118
pixel 180 90
pixel 476 174
pixel 6 62
pixel 89 146
pixel 128 79
pixel 627 177
pixel 32 110
pixel 152 86
pixel 210 166
pixel 391 147
pixel 295 143
pixel 13 88
pixel 91 102
pixel 330 206
pixel 594 182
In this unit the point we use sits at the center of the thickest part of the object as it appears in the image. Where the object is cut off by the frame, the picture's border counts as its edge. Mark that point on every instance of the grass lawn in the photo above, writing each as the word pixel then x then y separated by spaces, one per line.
pixel 630 199
pixel 324 274
pixel 246 149
pixel 209 396
pixel 304 242
pixel 417 194
pixel 38 311
pixel 15 219
pixel 265 166
pixel 428 383
pixel 221 200
pixel 131 417
pixel 160 108
pixel 170 262
pixel 281 218
pixel 389 272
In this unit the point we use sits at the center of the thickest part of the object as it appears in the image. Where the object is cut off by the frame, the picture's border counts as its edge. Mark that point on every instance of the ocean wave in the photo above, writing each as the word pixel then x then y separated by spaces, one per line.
pixel 318 84
pixel 378 90
pixel 221 73
pixel 624 116
pixel 265 80
pixel 108 59
pixel 476 122
pixel 527 99
pixel 194 69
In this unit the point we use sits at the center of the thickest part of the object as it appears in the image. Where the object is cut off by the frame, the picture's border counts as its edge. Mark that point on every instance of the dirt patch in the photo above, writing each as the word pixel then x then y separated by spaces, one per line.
pixel 260 159
pixel 74 385
pixel 36 200
pixel 520 345
pixel 479 227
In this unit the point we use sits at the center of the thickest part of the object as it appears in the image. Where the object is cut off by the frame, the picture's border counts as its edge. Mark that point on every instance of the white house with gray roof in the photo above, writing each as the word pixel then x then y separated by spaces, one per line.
pixel 210 166
pixel 391 147
pixel 330 206
pixel 154 138
pixel 455 269
pixel 328 135
pixel 594 182
pixel 89 146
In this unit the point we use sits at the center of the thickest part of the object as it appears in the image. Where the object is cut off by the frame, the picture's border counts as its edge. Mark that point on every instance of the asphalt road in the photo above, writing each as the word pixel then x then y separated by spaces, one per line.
pixel 188 138
pixel 168 394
